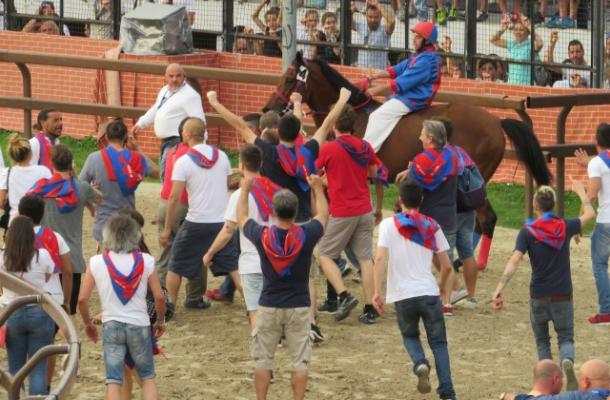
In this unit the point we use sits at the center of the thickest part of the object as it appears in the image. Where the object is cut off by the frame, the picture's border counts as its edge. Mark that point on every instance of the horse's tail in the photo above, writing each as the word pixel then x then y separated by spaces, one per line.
pixel 528 149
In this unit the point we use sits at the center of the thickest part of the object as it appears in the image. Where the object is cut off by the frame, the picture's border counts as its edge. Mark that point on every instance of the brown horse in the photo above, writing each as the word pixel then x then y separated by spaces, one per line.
pixel 480 133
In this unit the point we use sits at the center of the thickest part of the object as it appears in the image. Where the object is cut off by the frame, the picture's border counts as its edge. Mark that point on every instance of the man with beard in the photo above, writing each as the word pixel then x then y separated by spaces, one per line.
pixel 50 125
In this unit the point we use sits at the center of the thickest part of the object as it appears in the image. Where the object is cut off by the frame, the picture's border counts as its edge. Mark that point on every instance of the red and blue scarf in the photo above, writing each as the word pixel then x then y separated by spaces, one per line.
pixel 433 167
pixel 44 155
pixel 202 161
pixel 263 190
pixel 605 156
pixel 299 163
pixel 125 286
pixel 360 153
pixel 417 228
pixel 127 168
pixel 282 257
pixel 464 159
pixel 548 229
pixel 46 239
pixel 382 174
pixel 64 191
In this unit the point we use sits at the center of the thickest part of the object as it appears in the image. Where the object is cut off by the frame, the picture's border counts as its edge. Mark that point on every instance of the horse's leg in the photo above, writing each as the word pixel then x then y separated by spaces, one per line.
pixel 486 223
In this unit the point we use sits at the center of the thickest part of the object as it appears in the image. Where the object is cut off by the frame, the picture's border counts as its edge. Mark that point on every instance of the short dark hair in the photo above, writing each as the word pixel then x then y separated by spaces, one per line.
pixel 602 136
pixel 545 198
pixel 43 115
pixel 251 157
pixel 285 204
pixel 116 130
pixel 576 42
pixel 32 206
pixel 371 7
pixel 273 11
pixel 411 194
pixel 61 157
pixel 289 128
pixel 448 125
pixel 347 119
pixel 181 126
pixel 327 15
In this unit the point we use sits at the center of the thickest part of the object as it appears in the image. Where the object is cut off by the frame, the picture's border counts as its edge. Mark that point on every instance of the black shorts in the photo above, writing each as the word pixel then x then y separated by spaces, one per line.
pixel 192 241
pixel 227 262
pixel 76 278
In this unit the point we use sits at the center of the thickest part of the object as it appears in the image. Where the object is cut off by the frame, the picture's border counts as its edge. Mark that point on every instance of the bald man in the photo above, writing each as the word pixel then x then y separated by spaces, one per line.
pixel 176 101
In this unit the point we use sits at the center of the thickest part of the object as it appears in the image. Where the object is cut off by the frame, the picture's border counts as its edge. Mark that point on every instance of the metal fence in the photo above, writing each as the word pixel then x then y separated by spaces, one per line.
pixel 497 42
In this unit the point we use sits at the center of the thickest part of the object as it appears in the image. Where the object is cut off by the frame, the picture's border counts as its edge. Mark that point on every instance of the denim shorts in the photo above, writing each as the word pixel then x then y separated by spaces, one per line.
pixel 118 337
pixel 465 229
pixel 253 287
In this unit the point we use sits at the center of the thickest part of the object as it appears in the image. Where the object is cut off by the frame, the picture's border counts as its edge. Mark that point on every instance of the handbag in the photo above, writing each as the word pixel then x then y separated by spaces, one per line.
pixel 4 219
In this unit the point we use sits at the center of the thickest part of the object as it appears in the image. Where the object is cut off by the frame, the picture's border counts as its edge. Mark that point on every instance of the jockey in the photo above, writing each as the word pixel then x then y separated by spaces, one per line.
pixel 413 84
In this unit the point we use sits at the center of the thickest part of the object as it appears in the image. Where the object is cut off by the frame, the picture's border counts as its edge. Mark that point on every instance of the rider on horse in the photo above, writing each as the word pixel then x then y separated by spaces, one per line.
pixel 413 84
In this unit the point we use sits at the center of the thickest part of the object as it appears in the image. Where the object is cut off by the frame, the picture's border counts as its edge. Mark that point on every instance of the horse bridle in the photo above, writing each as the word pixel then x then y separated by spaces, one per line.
pixel 300 87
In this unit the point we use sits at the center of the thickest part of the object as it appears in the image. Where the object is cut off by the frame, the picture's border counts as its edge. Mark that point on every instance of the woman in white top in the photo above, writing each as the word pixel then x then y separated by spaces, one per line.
pixel 17 180
pixel 29 328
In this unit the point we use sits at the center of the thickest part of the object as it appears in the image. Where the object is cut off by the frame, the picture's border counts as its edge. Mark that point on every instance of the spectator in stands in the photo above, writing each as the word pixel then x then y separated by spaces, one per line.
pixel 373 32
pixel 49 27
pixel 519 48
pixel 442 14
pixel 103 13
pixel 516 12
pixel 565 77
pixel 189 6
pixel 47 9
pixel 547 380
pixel 488 71
pixel 272 27
pixel 452 64
pixel 308 31
pixel 330 34
pixel 243 45
pixel 567 15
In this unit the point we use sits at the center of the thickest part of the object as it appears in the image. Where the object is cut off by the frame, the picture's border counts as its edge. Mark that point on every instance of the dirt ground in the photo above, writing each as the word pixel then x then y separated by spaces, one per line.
pixel 208 351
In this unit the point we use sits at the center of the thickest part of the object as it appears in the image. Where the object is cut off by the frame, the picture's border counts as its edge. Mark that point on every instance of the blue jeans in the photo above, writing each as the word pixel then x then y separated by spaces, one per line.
pixel 421 6
pixel 227 287
pixel 166 145
pixel 29 329
pixel 600 252
pixel 118 337
pixel 561 313
pixel 427 308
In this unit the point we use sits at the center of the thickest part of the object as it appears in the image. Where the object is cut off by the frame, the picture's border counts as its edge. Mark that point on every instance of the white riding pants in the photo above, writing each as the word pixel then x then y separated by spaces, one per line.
pixel 383 120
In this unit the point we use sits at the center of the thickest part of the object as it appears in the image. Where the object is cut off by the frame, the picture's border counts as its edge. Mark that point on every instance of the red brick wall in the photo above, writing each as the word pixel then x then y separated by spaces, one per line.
pixel 82 85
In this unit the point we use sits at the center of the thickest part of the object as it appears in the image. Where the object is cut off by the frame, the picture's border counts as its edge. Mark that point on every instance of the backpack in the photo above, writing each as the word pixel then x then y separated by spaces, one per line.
pixel 471 192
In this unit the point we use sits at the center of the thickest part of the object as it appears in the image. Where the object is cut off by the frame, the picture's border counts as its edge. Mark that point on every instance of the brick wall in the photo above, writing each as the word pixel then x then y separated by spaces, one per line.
pixel 82 85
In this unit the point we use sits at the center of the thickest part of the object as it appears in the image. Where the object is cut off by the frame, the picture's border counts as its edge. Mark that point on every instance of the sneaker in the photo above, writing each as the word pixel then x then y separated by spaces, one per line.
pixel 200 304
pixel 566 23
pixel 368 318
pixel 482 17
pixel 600 319
pixel 538 18
pixel 441 16
pixel 458 295
pixel 554 22
pixel 215 295
pixel 423 378
pixel 344 267
pixel 328 307
pixel 448 310
pixel 345 307
pixel 315 334
pixel 453 14
pixel 568 368
pixel 471 303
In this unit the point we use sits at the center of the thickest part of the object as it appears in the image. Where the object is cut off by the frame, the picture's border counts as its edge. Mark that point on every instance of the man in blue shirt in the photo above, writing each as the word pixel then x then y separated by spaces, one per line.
pixel 413 85
pixel 376 31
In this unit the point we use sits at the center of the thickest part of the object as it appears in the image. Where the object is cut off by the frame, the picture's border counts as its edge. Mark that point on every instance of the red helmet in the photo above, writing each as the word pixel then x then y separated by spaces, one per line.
pixel 427 30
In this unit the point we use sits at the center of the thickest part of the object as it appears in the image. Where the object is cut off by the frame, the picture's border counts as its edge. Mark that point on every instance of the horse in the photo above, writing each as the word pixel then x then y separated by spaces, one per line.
pixel 476 130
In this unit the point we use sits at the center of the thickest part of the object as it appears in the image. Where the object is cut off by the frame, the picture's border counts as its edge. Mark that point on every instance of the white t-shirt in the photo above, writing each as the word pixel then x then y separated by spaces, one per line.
pixel 40 267
pixel 207 188
pixel 135 311
pixel 598 169
pixel 409 265
pixel 35 146
pixel 20 182
pixel 53 286
pixel 249 260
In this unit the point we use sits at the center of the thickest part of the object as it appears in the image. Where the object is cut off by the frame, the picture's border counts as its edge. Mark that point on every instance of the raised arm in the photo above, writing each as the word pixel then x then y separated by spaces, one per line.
pixel 321 205
pixel 297 106
pixel 257 12
pixel 588 212
pixel 329 121
pixel 236 122
pixel 496 38
pixel 390 21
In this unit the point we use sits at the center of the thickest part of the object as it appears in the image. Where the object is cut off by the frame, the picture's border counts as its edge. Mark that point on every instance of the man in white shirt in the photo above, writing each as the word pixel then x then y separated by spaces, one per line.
pixel 411 285
pixel 204 171
pixel 50 127
pixel 176 100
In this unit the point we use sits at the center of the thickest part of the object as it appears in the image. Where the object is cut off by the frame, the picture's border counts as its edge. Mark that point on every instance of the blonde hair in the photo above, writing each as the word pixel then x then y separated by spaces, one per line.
pixel 545 197
pixel 19 148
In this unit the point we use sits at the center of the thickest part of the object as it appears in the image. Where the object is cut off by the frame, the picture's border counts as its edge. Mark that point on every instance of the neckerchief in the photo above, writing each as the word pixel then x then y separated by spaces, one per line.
pixel 464 159
pixel 360 154
pixel 64 191
pixel 124 167
pixel 298 163
pixel 548 229
pixel 46 239
pixel 125 286
pixel 263 190
pixel 44 155
pixel 417 228
pixel 282 257
pixel 604 394
pixel 605 156
pixel 382 174
pixel 433 167
pixel 202 161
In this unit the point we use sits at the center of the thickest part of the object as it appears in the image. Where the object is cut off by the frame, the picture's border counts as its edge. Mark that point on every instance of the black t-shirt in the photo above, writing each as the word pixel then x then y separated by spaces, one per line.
pixel 293 290
pixel 441 205
pixel 550 268
pixel 273 170
pixel 271 48
pixel 326 52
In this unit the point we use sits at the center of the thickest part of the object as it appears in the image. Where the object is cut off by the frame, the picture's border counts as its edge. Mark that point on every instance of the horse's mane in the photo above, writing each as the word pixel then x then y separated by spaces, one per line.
pixel 338 81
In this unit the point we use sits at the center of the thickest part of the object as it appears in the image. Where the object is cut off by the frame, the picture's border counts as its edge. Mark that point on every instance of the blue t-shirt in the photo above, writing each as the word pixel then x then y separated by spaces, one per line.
pixel 291 291
pixel 550 268
pixel 572 396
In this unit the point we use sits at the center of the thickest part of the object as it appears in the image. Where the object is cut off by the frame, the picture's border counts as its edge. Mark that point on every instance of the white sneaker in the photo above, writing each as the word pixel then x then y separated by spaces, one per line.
pixel 458 295
pixel 471 303
pixel 423 378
